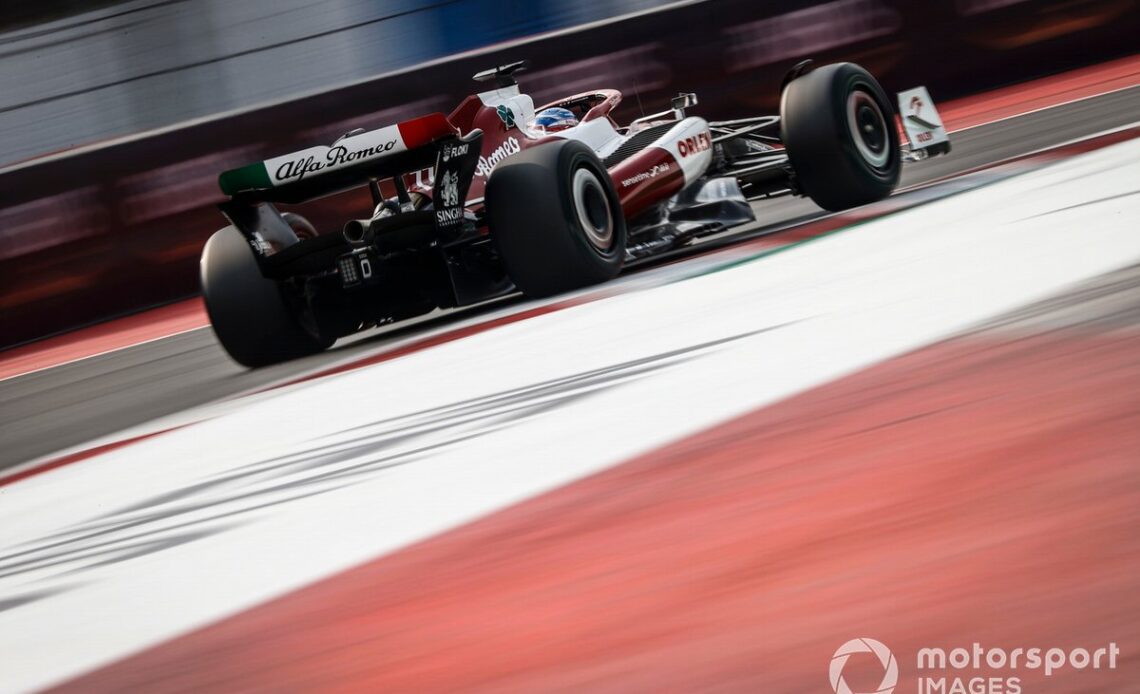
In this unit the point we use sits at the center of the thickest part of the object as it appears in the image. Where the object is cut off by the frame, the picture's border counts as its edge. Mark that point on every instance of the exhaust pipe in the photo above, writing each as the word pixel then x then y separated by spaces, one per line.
pixel 356 230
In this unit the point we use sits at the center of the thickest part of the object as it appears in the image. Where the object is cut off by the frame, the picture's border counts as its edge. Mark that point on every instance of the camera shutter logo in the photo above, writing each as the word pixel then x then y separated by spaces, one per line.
pixel 864 645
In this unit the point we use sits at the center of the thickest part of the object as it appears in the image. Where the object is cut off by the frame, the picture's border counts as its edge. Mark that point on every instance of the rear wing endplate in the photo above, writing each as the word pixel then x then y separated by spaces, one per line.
pixel 922 122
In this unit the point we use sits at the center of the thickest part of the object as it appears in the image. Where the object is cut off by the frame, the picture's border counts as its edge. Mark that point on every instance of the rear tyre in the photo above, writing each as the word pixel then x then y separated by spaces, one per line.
pixel 248 312
pixel 556 219
pixel 839 130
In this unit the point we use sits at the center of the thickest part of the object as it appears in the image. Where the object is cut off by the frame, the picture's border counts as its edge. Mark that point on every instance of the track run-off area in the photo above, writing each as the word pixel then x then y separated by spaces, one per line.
pixel 719 468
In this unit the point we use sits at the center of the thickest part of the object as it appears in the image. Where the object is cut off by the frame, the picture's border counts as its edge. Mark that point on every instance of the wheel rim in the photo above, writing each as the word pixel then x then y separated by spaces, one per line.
pixel 593 210
pixel 868 129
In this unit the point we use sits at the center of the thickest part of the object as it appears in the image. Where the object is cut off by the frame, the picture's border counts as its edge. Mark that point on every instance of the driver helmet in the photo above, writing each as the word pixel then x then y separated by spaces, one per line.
pixel 551 120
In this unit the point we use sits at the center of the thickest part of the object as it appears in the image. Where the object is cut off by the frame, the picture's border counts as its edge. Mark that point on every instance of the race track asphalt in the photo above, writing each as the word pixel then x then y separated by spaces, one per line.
pixel 63 406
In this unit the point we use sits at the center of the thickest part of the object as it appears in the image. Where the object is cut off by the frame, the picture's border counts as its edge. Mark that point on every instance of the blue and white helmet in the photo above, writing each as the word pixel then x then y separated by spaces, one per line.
pixel 551 120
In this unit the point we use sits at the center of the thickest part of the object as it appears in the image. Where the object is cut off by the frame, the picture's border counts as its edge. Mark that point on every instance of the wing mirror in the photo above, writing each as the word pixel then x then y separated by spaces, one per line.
pixel 681 102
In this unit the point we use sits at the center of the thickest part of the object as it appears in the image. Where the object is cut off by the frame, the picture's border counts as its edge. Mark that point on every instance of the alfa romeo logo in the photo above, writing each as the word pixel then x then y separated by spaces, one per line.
pixel 506 115
pixel 864 645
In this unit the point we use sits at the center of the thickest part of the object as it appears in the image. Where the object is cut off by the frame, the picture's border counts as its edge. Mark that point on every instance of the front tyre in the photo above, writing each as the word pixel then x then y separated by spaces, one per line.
pixel 556 219
pixel 248 312
pixel 839 130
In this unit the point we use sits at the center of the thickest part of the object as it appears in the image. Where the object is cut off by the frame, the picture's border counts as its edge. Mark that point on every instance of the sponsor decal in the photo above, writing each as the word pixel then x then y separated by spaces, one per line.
pixel 506 115
pixel 509 148
pixel 920 118
pixel 646 175
pixel 333 157
pixel 916 104
pixel 449 216
pixel 260 245
pixel 449 189
pixel 694 145
pixel 449 211
pixel 450 151
pixel 425 178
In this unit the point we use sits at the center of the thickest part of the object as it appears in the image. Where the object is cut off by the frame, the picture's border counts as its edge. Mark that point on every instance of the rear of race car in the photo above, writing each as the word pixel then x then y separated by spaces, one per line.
pixel 275 294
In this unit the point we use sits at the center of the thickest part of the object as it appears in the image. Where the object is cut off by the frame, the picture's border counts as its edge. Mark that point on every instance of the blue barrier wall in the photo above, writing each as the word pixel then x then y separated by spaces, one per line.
pixel 136 66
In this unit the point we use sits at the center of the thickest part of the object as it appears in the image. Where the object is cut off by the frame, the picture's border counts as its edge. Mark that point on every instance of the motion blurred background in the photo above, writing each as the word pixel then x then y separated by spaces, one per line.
pixel 116 117
pixel 704 476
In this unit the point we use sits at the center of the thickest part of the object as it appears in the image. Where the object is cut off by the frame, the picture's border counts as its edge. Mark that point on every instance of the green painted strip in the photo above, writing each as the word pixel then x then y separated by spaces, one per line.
pixel 251 177
pixel 780 249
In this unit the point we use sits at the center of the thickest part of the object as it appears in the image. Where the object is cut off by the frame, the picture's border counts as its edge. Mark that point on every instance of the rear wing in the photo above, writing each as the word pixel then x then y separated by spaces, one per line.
pixel 430 142
pixel 350 162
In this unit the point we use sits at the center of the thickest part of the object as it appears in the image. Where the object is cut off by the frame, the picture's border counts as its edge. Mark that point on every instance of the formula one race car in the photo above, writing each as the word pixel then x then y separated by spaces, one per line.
pixel 499 197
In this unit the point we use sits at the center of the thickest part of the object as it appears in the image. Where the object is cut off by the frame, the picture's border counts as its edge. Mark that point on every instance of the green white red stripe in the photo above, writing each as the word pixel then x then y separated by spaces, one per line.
pixel 348 151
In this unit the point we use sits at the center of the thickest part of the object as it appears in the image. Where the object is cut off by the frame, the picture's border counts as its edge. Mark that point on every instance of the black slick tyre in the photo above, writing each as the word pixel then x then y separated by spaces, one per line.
pixel 248 312
pixel 838 127
pixel 556 219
